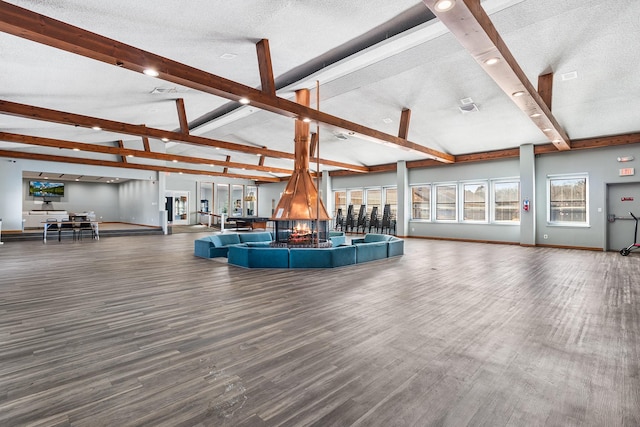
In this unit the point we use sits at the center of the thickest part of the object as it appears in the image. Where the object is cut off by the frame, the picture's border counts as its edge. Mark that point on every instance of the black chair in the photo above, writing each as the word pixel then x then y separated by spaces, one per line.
pixel 362 219
pixel 339 220
pixel 65 226
pixel 51 225
pixel 388 222
pixel 84 225
pixel 349 220
pixel 374 221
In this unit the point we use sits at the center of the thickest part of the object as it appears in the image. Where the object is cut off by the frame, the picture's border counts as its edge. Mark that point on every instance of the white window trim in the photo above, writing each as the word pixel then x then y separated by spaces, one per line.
pixel 461 202
pixel 410 200
pixel 434 203
pixel 585 224
pixel 493 200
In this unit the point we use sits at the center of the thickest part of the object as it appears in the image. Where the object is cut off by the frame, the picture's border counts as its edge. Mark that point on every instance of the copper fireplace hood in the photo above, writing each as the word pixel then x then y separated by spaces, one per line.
pixel 300 199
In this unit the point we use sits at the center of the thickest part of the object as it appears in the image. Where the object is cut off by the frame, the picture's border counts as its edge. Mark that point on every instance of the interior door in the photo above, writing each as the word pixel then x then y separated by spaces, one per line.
pixel 621 199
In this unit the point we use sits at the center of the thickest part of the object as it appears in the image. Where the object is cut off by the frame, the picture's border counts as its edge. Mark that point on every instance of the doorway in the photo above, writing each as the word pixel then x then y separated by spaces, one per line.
pixel 177 206
pixel 621 199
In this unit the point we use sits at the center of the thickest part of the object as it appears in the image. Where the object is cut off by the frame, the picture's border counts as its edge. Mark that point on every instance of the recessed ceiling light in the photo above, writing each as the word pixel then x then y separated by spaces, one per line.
pixel 165 139
pixel 77 179
pixel 387 120
pixel 556 141
pixel 444 5
pixel 76 149
pixel 306 120
pixel 211 165
pixel 352 133
pixel 518 93
pixel 546 130
pixel 46 177
pixel 217 148
pixel 258 154
pixel 117 179
pixel 244 101
pixel 174 161
pixel 96 128
pixel 492 61
pixel 151 72
pixel 534 115
pixel 228 55
pixel 129 155
pixel 179 173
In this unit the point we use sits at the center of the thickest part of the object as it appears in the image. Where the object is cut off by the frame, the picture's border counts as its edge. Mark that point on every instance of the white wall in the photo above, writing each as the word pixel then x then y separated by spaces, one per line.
pixel 138 202
pixel 10 194
pixel 101 198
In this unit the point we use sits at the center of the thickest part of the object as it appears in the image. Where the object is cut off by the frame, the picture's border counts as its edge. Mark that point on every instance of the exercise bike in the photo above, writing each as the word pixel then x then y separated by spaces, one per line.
pixel 626 251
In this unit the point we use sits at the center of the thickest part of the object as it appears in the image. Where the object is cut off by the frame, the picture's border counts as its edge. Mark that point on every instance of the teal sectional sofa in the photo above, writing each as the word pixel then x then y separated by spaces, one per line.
pixel 377 246
pixel 217 245
pixel 252 250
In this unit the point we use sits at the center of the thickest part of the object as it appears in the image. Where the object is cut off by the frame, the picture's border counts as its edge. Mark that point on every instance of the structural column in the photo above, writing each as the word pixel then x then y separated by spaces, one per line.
pixel 527 193
pixel 402 220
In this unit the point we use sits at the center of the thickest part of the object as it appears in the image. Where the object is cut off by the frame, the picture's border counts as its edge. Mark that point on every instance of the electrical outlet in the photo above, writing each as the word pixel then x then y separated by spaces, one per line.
pixel 546 236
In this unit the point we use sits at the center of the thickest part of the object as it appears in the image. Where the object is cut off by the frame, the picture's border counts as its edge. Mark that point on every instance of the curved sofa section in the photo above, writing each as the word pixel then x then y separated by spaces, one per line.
pixel 252 250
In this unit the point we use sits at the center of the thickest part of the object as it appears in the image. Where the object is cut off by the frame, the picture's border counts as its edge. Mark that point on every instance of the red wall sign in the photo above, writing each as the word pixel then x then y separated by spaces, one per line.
pixel 627 199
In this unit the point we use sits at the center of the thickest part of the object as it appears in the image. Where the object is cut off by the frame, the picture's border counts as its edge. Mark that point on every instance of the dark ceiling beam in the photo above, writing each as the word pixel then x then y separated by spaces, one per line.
pixel 509 153
pixel 268 84
pixel 145 144
pixel 125 152
pixel 123 157
pixel 545 88
pixel 95 162
pixel 405 118
pixel 182 116
pixel 471 26
pixel 42 29
pixel 225 170
pixel 54 116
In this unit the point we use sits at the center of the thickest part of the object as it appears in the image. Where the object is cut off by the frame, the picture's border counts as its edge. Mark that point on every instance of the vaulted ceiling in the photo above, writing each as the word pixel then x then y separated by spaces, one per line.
pixel 369 61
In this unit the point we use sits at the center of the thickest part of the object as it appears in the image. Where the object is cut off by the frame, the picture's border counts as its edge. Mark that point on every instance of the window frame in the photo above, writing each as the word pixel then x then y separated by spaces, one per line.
pixel 462 201
pixel 435 204
pixel 575 176
pixel 430 206
pixel 494 182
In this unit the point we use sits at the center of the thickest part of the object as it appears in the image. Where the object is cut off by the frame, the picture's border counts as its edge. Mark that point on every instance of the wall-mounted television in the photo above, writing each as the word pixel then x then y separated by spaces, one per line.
pixel 46 189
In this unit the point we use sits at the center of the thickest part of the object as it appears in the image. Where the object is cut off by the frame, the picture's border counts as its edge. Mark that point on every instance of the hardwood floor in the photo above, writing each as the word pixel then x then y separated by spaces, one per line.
pixel 136 331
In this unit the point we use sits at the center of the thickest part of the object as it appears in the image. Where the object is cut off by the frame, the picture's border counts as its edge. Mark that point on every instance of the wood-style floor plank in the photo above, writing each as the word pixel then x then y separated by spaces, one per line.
pixel 136 331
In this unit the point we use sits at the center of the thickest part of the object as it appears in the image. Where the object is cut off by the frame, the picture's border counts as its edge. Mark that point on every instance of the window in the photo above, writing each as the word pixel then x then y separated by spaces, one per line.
pixel 506 201
pixel 567 197
pixel 340 202
pixel 445 202
pixel 374 199
pixel 355 198
pixel 421 202
pixel 391 199
pixel 474 202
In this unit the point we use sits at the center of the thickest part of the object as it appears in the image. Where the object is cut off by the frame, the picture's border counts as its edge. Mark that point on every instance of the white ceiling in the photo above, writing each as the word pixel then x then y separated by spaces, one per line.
pixel 422 68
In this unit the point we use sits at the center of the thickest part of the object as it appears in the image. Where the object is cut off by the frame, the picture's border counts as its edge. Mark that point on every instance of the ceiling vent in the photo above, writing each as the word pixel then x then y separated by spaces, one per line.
pixel 341 136
pixel 468 108
pixel 159 90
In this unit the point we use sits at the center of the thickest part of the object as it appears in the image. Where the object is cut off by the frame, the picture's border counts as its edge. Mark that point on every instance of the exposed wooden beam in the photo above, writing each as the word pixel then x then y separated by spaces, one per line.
pixel 405 118
pixel 596 142
pixel 225 170
pixel 182 116
pixel 267 81
pixel 314 144
pixel 95 162
pixel 261 161
pixel 123 152
pixel 123 158
pixel 145 144
pixel 545 88
pixel 470 24
pixel 54 116
pixel 42 29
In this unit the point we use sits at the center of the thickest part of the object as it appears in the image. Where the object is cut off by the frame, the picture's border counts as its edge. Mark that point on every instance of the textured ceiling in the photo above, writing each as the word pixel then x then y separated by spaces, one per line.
pixel 372 59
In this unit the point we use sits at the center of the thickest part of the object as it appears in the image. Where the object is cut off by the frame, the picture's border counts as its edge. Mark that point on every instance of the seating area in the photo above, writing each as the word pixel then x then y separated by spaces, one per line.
pixel 252 250
pixel 364 221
